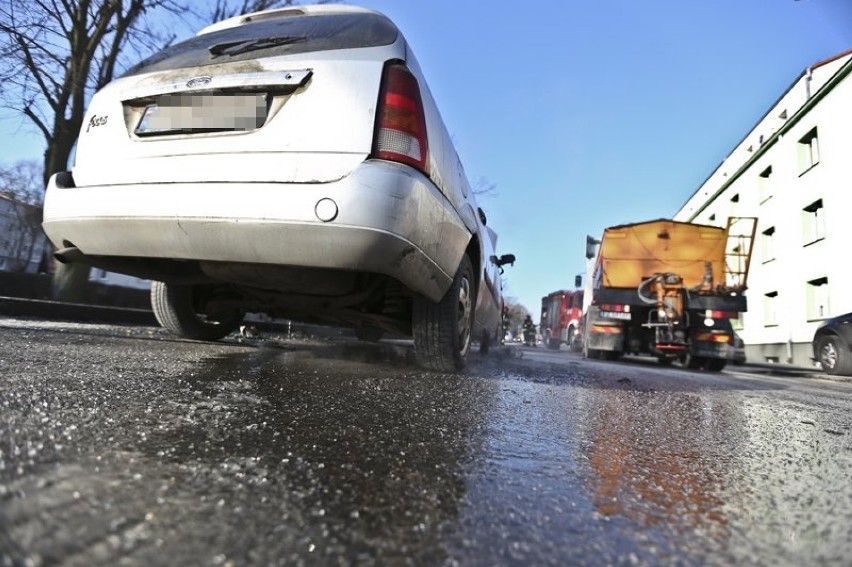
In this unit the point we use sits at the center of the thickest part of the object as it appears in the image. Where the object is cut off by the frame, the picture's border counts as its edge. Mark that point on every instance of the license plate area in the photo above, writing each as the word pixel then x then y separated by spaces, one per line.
pixel 203 113
pixel 619 315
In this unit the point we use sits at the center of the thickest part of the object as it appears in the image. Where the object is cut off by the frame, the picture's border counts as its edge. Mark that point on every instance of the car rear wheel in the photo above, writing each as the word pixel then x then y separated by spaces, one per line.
pixel 833 356
pixel 442 330
pixel 177 309
pixel 715 364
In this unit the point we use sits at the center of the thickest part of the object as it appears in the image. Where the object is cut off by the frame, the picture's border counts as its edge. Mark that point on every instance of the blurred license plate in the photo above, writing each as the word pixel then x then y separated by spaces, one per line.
pixel 615 315
pixel 181 114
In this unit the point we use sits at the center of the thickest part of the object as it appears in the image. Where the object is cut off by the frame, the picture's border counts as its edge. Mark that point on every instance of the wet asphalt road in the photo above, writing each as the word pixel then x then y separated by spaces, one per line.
pixel 122 446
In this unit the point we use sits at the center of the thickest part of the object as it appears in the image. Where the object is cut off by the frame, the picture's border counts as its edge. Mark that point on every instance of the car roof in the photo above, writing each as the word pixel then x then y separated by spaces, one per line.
pixel 264 15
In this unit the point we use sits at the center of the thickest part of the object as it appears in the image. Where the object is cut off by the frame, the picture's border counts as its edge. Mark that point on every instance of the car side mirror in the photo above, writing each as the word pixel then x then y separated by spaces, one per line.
pixel 578 281
pixel 591 247
pixel 503 260
pixel 482 216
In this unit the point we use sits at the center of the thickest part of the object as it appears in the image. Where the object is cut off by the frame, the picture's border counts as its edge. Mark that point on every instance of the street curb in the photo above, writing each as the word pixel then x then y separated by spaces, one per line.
pixel 77 312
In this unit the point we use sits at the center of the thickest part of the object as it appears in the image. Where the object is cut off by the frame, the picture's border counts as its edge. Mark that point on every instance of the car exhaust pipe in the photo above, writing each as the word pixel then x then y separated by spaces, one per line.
pixel 69 255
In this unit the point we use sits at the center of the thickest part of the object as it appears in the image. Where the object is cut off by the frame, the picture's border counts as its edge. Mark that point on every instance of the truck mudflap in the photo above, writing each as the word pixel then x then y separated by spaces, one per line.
pixel 605 337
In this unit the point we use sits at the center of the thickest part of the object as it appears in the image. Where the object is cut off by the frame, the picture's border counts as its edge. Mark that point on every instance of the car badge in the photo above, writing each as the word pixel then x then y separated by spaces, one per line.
pixel 197 82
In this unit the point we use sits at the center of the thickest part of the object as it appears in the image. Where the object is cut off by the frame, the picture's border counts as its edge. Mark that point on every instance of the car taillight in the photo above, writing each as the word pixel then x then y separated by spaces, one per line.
pixel 401 124
pixel 714 314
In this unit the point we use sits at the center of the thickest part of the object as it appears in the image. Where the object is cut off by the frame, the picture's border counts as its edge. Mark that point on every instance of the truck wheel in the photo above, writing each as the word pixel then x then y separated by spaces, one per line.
pixel 593 353
pixel 174 307
pixel 590 352
pixel 442 331
pixel 715 364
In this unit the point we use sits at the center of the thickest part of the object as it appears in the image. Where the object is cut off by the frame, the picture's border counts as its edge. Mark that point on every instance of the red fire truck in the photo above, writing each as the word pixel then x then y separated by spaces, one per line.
pixel 561 314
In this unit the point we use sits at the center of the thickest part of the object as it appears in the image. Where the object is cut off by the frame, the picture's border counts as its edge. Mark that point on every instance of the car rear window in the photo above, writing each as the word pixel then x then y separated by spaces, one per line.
pixel 300 34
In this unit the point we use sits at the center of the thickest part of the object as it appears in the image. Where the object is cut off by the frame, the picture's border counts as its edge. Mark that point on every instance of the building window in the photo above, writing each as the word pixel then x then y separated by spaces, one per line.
pixel 763 187
pixel 767 244
pixel 770 309
pixel 813 222
pixel 817 297
pixel 808 151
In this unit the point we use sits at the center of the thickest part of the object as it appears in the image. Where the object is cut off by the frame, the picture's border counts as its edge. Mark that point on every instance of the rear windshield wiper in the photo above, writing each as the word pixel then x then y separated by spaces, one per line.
pixel 231 48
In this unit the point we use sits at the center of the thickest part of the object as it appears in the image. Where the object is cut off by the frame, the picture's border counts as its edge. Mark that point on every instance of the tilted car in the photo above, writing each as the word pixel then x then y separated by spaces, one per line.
pixel 833 345
pixel 289 162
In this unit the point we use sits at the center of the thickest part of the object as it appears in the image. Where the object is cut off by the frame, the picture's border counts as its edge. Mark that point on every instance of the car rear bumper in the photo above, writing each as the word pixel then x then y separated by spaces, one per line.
pixel 713 350
pixel 382 218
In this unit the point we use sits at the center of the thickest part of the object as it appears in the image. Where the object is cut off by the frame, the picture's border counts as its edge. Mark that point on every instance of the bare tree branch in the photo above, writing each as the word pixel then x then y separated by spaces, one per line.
pixel 484 186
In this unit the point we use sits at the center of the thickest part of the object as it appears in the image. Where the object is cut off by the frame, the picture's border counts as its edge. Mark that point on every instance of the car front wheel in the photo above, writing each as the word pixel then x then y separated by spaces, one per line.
pixel 177 308
pixel 442 330
pixel 833 356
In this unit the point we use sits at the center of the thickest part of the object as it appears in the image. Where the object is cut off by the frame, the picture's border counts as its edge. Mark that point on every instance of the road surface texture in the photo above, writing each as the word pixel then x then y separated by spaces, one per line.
pixel 123 446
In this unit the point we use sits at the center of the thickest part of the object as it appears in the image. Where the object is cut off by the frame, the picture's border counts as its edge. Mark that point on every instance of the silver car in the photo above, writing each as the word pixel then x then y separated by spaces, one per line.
pixel 289 162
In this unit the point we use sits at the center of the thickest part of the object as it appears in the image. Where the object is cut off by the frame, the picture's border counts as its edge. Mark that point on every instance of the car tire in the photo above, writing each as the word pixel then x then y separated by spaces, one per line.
pixel 715 364
pixel 833 356
pixel 442 331
pixel 174 309
pixel 693 362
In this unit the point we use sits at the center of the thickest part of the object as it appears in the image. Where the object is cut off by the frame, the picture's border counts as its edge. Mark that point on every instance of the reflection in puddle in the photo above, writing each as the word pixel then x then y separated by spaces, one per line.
pixel 654 460
pixel 357 455
pixel 740 478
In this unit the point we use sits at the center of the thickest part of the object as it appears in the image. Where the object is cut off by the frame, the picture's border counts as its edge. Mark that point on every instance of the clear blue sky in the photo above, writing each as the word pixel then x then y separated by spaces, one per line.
pixel 590 113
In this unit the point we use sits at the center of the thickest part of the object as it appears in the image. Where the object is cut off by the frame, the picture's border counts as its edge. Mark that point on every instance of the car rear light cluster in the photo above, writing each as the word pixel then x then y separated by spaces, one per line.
pixel 401 125
pixel 715 337
pixel 714 314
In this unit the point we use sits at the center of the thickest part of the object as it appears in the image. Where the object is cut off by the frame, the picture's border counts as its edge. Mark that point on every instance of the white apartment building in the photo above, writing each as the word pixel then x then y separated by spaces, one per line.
pixel 22 243
pixel 793 171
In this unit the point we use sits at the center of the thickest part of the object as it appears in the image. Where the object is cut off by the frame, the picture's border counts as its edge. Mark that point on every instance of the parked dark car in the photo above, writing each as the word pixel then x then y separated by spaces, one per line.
pixel 833 345
pixel 739 350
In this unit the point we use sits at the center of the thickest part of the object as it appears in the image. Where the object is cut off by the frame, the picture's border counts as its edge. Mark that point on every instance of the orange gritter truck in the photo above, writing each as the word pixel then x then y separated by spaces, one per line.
pixel 667 289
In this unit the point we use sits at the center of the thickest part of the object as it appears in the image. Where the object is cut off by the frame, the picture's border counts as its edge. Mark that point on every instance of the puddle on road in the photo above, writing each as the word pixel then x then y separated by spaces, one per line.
pixel 362 457
pixel 364 451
